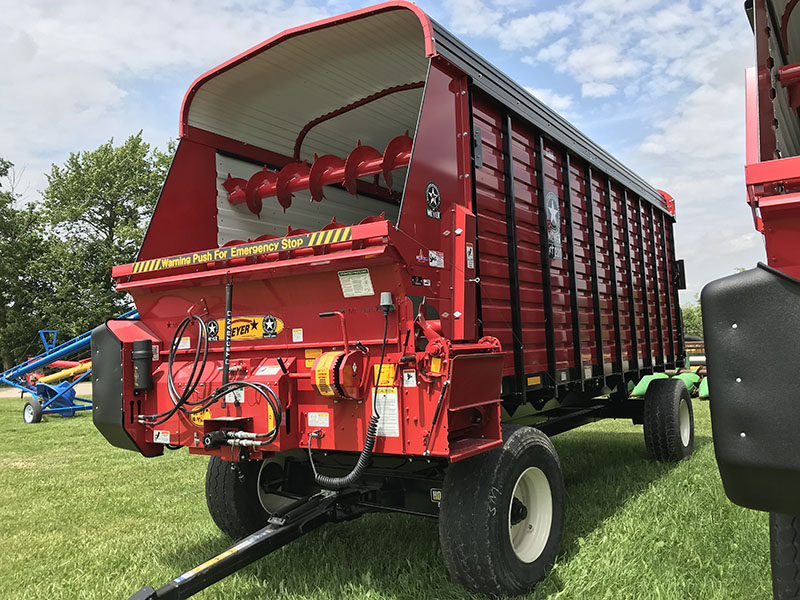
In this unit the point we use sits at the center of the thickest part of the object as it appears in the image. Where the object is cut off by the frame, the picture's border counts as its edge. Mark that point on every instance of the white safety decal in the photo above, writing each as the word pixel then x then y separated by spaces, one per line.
pixel 355 283
pixel 319 419
pixel 386 407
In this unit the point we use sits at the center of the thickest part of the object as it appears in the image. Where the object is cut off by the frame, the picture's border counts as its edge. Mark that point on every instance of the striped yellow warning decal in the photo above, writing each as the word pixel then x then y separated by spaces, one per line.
pixel 295 242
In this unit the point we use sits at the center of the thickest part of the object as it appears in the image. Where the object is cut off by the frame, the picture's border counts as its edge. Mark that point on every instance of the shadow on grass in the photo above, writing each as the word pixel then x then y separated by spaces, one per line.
pixel 398 556
pixel 602 471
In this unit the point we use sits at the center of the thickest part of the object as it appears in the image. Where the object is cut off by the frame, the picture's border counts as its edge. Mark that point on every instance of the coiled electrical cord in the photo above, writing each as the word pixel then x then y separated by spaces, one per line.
pixel 181 401
pixel 340 483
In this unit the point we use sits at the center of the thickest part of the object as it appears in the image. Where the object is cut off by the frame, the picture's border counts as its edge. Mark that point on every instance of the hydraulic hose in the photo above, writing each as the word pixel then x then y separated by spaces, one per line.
pixel 189 407
pixel 340 483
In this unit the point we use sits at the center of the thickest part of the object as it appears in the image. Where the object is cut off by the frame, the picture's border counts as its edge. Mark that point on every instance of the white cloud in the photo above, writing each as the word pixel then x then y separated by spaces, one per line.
pixel 554 52
pixel 473 17
pixel 69 70
pixel 597 90
pixel 531 30
pixel 559 102
pixel 496 20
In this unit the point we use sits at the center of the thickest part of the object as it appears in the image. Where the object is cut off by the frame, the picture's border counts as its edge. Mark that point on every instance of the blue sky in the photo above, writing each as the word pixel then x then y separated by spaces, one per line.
pixel 658 84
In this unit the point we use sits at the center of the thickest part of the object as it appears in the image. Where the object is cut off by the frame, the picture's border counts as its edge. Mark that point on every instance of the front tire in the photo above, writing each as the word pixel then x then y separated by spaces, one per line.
pixel 232 497
pixel 668 421
pixel 32 413
pixel 502 514
pixel 784 545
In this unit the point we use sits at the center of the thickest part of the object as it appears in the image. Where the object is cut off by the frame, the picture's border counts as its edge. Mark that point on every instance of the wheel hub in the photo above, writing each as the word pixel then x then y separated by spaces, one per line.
pixel 530 515
pixel 685 422
pixel 29 414
pixel 518 511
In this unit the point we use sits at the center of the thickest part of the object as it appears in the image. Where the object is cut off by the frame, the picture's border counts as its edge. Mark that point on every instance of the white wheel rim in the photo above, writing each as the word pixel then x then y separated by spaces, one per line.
pixel 271 503
pixel 28 413
pixel 529 536
pixel 685 420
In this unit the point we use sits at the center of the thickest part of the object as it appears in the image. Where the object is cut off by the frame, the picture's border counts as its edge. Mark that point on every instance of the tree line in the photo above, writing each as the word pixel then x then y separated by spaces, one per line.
pixel 56 254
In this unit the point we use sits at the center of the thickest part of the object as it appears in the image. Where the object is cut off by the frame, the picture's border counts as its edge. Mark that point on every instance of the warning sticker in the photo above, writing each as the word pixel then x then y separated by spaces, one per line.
pixel 297 334
pixel 245 328
pixel 319 419
pixel 317 238
pixel 322 374
pixel 185 343
pixel 268 370
pixel 200 418
pixel 470 256
pixel 384 375
pixel 436 259
pixel 160 437
pixel 236 396
pixel 410 378
pixel 386 407
pixel 436 365
pixel 311 355
pixel 355 283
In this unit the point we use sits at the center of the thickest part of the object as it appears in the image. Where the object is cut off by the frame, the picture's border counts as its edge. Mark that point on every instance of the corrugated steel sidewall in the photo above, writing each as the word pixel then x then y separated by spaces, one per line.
pixel 638 232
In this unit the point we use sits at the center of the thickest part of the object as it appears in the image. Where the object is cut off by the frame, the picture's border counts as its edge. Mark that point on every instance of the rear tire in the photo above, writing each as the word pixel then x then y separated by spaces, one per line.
pixel 32 413
pixel 784 545
pixel 232 497
pixel 668 421
pixel 502 514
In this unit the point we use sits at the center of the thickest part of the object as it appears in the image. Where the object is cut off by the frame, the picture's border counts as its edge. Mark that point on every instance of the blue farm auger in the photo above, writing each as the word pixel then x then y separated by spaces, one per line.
pixel 54 394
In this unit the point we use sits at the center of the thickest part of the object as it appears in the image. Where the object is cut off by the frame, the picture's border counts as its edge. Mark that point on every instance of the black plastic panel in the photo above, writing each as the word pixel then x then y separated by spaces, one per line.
pixel 751 322
pixel 108 410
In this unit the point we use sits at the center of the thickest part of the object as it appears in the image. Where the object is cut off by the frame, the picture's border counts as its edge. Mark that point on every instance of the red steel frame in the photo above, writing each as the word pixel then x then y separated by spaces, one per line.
pixel 608 307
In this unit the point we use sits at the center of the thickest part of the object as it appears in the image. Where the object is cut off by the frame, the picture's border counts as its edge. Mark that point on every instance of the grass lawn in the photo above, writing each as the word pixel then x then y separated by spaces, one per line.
pixel 80 519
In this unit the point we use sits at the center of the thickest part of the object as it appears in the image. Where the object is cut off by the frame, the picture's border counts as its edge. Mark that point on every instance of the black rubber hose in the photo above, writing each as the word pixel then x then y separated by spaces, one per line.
pixel 340 483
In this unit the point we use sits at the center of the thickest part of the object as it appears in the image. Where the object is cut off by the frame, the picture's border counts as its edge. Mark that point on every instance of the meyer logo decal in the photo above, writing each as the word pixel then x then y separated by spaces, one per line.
pixel 245 328
pixel 318 238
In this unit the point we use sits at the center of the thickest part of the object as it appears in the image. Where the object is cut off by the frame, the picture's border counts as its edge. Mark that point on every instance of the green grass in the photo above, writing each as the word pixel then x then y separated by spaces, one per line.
pixel 80 519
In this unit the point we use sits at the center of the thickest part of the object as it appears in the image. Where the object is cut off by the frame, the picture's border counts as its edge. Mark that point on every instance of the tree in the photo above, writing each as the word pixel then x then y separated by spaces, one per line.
pixel 692 319
pixel 23 280
pixel 98 206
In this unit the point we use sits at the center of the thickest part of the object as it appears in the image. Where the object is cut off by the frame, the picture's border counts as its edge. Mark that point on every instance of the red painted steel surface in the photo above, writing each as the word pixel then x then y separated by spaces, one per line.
pixel 185 218
pixel 772 184
pixel 429 262
pixel 610 252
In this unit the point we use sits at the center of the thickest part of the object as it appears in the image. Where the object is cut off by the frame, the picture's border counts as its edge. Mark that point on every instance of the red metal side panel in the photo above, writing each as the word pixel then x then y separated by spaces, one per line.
pixel 636 279
pixel 491 231
pixel 583 270
pixel 667 309
pixel 675 323
pixel 531 293
pixel 615 303
pixel 559 267
pixel 625 325
pixel 651 281
pixel 603 268
pixel 185 218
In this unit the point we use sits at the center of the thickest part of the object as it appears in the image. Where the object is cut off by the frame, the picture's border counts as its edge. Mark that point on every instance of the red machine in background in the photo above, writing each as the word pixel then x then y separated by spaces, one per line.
pixel 750 319
pixel 372 248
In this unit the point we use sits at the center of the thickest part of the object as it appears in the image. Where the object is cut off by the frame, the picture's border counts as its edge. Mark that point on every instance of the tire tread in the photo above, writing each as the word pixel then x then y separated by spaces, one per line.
pixel 662 436
pixel 784 537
